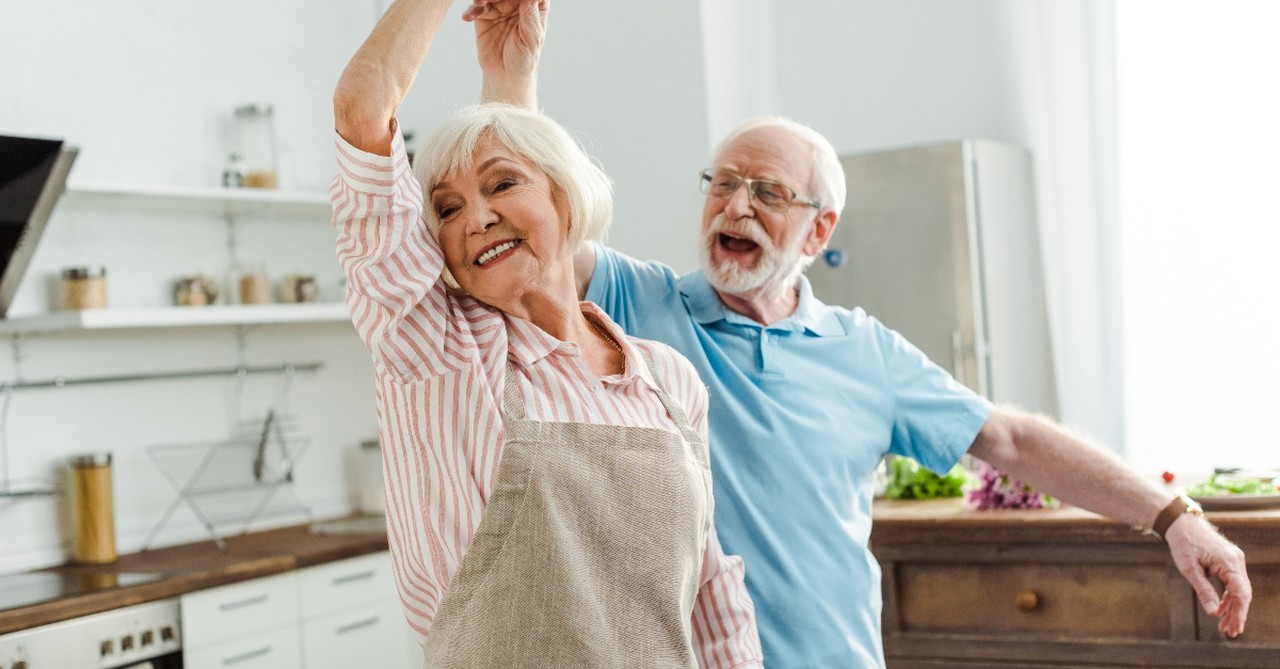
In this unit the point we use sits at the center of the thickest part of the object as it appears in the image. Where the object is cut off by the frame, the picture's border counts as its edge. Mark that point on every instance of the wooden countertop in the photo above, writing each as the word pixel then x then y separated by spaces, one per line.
pixel 948 520
pixel 191 567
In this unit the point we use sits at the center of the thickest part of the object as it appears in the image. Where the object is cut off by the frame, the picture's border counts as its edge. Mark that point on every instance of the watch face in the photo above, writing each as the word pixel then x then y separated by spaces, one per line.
pixel 1193 507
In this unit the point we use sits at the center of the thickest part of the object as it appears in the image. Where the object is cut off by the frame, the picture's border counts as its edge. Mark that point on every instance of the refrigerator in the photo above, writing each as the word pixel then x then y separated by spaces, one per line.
pixel 940 243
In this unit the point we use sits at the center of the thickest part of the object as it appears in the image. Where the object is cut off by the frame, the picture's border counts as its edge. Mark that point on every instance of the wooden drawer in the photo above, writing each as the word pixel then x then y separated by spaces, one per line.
pixel 1047 599
pixel 338 586
pixel 228 611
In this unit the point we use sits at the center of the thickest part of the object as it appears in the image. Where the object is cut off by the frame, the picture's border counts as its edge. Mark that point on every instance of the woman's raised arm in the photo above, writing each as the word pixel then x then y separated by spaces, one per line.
pixel 380 73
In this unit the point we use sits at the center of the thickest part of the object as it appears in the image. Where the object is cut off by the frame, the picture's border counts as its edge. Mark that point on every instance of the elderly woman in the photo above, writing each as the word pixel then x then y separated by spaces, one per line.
pixel 548 492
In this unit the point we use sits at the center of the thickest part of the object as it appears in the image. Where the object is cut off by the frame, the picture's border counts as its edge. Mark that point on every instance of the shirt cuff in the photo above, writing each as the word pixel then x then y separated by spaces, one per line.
pixel 370 173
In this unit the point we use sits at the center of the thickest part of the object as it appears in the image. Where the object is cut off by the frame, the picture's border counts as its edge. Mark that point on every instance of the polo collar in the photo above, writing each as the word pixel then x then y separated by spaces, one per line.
pixel 811 315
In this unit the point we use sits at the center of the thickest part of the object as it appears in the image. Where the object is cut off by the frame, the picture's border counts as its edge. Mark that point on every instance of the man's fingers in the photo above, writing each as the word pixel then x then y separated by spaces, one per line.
pixel 1231 615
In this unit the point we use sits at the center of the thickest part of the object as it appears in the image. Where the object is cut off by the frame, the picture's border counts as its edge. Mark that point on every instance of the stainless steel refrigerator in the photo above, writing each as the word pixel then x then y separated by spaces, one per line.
pixel 940 243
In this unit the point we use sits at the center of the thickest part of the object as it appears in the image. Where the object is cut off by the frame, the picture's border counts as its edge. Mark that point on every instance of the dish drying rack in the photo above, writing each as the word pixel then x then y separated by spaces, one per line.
pixel 230 484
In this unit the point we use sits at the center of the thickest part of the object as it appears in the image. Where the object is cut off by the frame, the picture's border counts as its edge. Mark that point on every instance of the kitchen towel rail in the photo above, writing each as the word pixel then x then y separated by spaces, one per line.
pixel 239 370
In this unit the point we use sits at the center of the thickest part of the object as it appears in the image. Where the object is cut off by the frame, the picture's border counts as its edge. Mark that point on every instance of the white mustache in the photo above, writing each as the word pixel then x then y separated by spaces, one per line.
pixel 748 228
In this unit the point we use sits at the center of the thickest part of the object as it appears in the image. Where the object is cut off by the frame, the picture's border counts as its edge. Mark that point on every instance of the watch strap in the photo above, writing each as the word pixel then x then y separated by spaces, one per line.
pixel 1176 507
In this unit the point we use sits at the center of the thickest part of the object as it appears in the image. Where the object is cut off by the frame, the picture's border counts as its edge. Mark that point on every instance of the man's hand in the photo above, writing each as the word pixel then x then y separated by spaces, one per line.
pixel 509 38
pixel 1201 553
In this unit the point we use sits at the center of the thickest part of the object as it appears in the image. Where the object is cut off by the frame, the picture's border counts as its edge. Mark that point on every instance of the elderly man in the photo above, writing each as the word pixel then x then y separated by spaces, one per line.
pixel 806 398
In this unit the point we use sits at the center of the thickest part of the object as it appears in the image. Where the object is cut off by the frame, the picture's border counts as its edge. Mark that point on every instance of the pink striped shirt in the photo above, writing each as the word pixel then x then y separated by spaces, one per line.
pixel 440 359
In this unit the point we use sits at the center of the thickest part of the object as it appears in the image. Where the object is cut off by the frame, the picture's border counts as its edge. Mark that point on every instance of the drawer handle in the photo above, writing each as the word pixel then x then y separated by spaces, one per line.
pixel 1027 600
pixel 241 603
pixel 353 577
pixel 237 659
pixel 359 624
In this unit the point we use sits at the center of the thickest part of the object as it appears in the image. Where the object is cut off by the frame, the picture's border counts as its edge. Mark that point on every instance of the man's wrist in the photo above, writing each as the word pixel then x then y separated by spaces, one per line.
pixel 520 91
pixel 1179 506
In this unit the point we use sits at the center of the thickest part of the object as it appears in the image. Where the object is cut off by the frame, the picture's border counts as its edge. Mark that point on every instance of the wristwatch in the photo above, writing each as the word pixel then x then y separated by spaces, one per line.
pixel 1180 505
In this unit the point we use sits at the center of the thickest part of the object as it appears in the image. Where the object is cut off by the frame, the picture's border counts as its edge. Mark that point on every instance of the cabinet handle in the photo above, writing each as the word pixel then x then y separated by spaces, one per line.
pixel 360 576
pixel 359 624
pixel 240 603
pixel 237 659
pixel 1027 600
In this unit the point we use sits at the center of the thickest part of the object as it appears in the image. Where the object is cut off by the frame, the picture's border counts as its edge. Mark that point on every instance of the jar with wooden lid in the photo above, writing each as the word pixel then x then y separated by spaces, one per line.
pixel 84 288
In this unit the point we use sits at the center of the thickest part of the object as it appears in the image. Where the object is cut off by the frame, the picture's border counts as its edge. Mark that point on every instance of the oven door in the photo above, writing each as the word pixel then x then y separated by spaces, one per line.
pixel 144 636
pixel 166 661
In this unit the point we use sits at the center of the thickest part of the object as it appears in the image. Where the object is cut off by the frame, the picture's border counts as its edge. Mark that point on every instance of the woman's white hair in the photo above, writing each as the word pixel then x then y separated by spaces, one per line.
pixel 538 139
pixel 828 173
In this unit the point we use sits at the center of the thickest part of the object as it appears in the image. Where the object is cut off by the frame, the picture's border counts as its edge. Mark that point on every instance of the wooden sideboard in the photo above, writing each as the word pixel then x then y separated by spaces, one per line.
pixel 1059 588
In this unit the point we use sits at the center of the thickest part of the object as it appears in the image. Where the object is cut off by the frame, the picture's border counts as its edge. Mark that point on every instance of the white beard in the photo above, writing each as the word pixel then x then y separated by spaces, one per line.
pixel 776 272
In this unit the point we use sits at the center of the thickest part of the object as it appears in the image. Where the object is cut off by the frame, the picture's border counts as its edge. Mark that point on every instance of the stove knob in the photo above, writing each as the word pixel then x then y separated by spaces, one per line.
pixel 126 643
pixel 20 664
pixel 167 633
pixel 106 647
pixel 148 638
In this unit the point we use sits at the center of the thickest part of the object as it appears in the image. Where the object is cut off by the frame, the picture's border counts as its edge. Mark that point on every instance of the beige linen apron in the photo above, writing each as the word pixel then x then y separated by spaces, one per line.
pixel 589 553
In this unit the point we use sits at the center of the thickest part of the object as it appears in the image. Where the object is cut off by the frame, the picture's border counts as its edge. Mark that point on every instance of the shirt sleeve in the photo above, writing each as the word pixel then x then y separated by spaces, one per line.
pixel 630 290
pixel 724 617
pixel 398 300
pixel 936 418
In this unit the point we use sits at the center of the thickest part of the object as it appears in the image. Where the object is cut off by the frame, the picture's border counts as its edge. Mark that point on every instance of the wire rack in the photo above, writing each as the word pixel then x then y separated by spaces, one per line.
pixel 232 483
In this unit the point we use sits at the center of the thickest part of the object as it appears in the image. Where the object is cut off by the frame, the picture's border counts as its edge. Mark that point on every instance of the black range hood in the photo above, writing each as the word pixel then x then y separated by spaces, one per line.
pixel 33 174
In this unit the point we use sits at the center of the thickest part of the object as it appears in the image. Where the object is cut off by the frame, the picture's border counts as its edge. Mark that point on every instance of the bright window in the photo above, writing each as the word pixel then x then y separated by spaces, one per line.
pixel 1199 152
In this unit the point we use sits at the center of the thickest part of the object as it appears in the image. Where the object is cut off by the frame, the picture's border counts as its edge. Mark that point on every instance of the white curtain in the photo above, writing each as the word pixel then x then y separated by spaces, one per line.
pixel 1066 68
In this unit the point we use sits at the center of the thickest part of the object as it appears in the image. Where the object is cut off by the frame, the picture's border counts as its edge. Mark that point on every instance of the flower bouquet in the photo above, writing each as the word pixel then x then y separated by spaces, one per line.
pixel 997 490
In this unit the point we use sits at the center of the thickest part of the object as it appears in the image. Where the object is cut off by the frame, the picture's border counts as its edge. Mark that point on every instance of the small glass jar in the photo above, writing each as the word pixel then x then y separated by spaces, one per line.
pixel 84 288
pixel 255 146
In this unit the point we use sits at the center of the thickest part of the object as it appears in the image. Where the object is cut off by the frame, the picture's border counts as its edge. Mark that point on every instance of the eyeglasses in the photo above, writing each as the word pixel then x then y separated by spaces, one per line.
pixel 723 184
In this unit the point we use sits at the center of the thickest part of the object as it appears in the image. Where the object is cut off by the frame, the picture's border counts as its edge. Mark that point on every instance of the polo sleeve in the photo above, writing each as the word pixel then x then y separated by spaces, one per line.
pixel 936 418
pixel 630 290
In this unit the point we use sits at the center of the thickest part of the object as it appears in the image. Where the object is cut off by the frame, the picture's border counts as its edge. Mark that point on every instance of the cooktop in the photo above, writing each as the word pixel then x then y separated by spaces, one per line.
pixel 38 587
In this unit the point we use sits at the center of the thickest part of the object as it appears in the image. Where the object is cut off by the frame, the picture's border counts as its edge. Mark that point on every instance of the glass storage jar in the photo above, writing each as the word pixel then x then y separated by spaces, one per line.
pixel 84 288
pixel 255 145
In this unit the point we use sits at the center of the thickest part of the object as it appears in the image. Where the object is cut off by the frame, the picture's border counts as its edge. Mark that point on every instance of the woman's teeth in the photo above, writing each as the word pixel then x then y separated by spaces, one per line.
pixel 495 252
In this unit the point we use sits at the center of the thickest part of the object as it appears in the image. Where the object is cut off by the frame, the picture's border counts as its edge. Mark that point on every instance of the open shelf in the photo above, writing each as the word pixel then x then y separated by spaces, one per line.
pixel 177 199
pixel 168 317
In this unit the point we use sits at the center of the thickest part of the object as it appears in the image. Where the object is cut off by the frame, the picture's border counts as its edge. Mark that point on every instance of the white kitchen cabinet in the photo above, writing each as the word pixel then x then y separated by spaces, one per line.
pixel 276 649
pixel 351 616
pixel 243 625
pixel 230 611
pixel 364 636
pixel 332 616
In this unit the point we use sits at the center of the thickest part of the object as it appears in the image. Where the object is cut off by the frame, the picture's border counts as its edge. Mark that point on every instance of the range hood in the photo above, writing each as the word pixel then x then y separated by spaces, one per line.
pixel 33 174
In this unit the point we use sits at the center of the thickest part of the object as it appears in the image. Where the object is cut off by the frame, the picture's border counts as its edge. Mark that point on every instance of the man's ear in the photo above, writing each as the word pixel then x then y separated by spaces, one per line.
pixel 824 225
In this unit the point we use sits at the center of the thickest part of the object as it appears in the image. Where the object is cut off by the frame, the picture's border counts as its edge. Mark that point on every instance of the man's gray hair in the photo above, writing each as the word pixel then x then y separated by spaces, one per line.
pixel 538 139
pixel 828 174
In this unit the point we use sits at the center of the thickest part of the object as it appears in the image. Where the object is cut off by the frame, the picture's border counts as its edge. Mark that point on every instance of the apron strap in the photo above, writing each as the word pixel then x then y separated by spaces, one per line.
pixel 673 408
pixel 512 402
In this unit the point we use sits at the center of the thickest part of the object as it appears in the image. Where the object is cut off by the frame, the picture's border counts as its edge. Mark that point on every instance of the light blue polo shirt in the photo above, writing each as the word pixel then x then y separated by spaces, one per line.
pixel 801 413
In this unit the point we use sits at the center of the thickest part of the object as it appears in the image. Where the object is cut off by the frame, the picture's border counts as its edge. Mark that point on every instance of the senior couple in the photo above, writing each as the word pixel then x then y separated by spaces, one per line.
pixel 550 461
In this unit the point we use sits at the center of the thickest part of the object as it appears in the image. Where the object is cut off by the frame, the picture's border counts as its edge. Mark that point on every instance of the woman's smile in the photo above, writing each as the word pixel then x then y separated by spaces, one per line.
pixel 497 252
